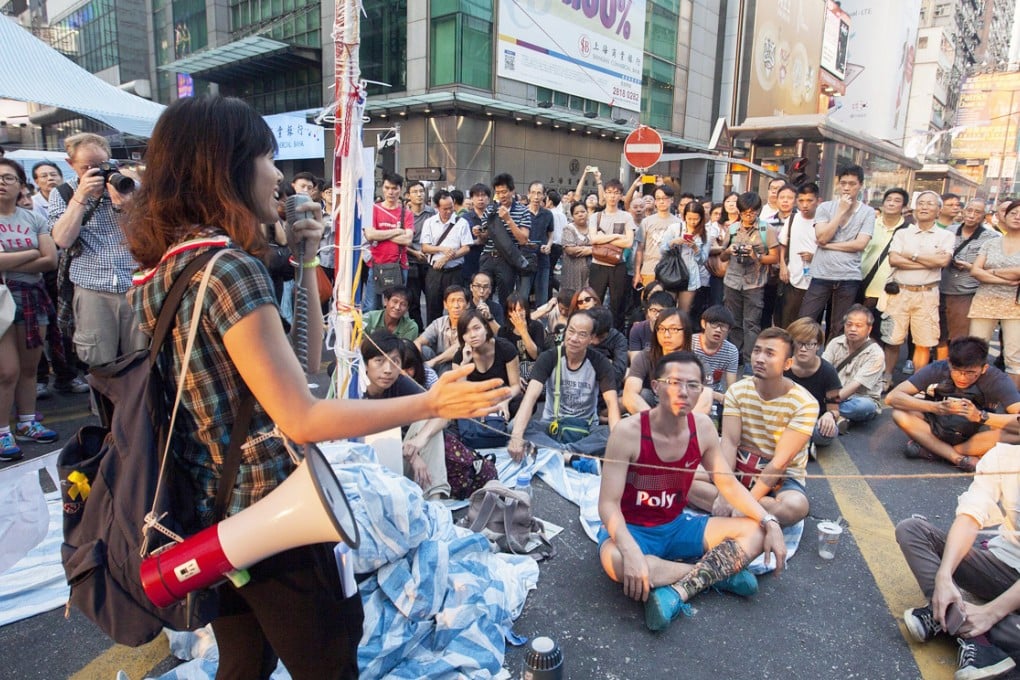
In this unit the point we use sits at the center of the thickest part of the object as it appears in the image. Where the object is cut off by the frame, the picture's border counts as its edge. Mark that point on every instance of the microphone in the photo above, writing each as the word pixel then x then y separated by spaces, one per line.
pixel 299 329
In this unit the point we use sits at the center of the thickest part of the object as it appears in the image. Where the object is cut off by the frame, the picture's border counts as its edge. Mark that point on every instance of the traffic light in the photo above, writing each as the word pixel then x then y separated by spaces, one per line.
pixel 800 171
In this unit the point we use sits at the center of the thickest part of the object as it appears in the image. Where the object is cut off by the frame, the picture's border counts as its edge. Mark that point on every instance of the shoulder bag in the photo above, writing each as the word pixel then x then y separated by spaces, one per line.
pixel 605 253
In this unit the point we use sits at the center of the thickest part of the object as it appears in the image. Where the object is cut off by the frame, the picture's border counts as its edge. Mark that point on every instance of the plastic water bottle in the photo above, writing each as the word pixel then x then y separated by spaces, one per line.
pixel 524 484
pixel 807 270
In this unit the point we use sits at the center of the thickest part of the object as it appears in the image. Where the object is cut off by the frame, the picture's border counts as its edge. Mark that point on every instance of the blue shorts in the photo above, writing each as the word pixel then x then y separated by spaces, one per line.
pixel 789 485
pixel 681 539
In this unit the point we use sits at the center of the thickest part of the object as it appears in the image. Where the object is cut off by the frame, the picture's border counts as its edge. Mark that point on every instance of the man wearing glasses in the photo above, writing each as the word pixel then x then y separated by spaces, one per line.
pixel 662 556
pixel 967 407
pixel 481 301
pixel 917 255
pixel 571 377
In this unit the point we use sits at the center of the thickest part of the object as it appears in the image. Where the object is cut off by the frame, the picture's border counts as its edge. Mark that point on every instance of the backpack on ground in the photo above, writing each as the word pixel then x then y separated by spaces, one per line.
pixel 503 515
pixel 109 478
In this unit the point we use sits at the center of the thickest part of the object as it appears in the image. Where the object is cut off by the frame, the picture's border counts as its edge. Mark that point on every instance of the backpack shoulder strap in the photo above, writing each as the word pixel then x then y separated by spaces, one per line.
pixel 238 434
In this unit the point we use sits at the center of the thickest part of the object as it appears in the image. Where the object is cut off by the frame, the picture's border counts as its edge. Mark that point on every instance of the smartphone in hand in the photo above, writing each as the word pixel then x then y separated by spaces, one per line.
pixel 955 618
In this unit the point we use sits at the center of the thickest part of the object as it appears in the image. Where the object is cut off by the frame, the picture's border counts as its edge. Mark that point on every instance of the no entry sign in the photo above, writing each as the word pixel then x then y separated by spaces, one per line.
pixel 643 147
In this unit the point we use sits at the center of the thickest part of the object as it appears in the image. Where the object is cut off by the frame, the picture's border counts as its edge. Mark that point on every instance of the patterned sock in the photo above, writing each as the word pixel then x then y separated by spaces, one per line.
pixel 722 561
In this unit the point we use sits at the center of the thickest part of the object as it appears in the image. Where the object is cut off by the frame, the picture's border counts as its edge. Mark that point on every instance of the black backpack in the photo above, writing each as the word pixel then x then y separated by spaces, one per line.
pixel 108 478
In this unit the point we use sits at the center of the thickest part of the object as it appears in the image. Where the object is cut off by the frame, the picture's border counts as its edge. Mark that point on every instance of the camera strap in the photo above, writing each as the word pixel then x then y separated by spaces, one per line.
pixel 67 193
pixel 878 263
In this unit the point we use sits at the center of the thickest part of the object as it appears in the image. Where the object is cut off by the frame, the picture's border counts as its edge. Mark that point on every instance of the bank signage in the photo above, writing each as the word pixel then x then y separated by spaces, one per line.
pixel 589 48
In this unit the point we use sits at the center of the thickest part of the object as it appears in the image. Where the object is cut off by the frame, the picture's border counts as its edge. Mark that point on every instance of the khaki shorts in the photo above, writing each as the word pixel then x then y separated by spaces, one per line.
pixel 918 312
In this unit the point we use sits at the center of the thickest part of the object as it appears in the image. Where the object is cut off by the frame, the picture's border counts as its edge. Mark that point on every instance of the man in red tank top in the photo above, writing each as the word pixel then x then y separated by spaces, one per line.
pixel 649 465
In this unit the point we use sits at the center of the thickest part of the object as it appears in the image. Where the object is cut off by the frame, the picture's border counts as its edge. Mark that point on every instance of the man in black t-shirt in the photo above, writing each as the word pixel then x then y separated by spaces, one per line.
pixel 578 374
pixel 960 416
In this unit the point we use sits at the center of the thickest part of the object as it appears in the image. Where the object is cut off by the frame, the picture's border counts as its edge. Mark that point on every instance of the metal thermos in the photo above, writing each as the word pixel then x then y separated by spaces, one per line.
pixel 543 660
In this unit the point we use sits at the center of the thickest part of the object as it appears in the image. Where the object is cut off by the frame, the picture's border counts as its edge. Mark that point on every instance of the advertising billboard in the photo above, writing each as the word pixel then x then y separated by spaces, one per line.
pixel 989 113
pixel 835 39
pixel 881 52
pixel 589 48
pixel 784 58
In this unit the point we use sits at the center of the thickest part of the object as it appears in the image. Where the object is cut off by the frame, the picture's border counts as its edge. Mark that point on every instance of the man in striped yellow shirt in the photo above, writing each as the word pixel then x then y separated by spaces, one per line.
pixel 767 424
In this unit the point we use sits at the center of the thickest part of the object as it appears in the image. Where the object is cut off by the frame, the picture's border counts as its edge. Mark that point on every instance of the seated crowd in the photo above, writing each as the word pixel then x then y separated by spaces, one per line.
pixel 703 400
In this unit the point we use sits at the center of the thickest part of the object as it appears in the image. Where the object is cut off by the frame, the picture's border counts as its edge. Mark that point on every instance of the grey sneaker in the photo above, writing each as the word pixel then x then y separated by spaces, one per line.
pixel 921 623
pixel 978 660
pixel 42 391
pixel 908 367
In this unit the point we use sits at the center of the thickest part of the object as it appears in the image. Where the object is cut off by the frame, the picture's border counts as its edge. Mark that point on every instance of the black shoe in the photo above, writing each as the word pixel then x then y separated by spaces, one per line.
pixel 915 450
pixel 921 623
pixel 979 660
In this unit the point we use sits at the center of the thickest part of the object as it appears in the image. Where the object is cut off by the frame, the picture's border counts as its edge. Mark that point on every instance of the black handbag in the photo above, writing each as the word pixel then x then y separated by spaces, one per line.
pixel 672 272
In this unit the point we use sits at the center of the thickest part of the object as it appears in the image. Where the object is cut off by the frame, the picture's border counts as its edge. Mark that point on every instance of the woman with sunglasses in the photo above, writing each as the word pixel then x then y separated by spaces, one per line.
pixel 27 251
pixel 576 249
pixel 585 298
pixel 671 333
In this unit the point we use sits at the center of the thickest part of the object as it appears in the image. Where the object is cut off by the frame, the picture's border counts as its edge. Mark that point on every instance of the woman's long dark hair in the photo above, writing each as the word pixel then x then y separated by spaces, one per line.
pixel 200 171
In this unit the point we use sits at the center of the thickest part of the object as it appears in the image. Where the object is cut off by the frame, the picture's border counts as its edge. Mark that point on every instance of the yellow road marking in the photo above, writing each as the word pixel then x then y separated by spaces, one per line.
pixel 135 661
pixel 873 531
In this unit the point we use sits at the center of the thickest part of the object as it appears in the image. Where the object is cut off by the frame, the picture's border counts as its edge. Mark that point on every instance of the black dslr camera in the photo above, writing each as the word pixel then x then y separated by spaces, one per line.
pixel 111 175
pixel 743 253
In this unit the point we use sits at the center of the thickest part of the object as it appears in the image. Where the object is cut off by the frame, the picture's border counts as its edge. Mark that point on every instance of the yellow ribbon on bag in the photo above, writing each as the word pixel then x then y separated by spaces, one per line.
pixel 79 485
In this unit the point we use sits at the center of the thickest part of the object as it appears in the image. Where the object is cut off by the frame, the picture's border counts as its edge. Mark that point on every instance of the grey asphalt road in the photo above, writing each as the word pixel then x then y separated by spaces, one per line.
pixel 820 619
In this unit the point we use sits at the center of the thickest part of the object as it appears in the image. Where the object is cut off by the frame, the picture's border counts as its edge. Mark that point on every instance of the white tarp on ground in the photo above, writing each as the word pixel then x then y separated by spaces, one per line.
pixel 35 72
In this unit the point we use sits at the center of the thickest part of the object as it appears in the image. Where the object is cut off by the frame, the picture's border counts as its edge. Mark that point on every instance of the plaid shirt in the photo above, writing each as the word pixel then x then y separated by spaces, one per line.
pixel 104 263
pixel 33 302
pixel 239 285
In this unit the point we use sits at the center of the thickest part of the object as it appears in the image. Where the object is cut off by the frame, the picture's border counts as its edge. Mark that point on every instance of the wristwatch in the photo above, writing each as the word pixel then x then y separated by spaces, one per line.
pixel 984 417
pixel 766 518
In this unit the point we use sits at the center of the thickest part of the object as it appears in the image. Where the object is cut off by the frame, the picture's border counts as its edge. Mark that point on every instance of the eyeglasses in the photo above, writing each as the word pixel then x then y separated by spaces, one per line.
pixel 966 372
pixel 580 335
pixel 481 286
pixel 10 179
pixel 588 298
pixel 717 325
pixel 806 345
pixel 687 385
pixel 670 330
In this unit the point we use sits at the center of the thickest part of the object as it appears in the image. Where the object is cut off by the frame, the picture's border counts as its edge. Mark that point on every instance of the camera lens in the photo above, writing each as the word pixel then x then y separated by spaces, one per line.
pixel 121 183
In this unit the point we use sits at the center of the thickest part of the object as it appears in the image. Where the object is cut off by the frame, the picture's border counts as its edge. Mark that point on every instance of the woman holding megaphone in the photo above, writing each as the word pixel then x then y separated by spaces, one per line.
pixel 210 184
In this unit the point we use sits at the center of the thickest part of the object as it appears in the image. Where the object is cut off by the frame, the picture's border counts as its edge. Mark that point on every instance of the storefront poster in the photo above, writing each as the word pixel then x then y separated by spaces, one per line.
pixel 785 55
pixel 589 48
pixel 835 40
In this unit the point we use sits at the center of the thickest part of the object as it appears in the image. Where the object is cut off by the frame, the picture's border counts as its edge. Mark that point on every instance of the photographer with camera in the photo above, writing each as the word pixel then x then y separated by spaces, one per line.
pixel 965 407
pixel 753 246
pixel 84 217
